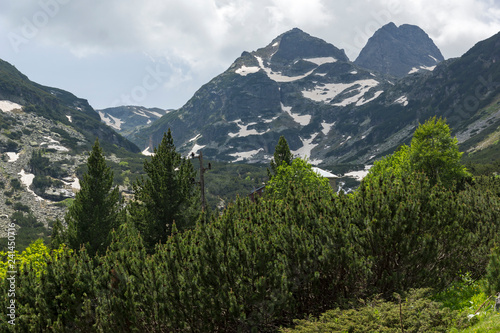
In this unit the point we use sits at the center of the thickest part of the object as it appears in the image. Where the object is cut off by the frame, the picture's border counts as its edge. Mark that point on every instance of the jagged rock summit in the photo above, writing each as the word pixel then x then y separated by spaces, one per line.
pixel 295 86
pixel 399 51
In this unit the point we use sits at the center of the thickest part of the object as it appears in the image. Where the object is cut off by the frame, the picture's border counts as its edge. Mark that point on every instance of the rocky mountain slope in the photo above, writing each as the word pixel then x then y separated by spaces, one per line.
pixel 129 118
pixel 298 86
pixel 45 134
pixel 399 51
pixel 328 108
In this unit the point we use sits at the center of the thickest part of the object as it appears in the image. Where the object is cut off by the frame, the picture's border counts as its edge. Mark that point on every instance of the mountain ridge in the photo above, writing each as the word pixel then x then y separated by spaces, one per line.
pixel 327 107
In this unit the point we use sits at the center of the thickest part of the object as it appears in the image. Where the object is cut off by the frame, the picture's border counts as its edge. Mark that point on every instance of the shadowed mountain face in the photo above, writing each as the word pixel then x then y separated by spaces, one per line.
pixel 328 108
pixel 399 51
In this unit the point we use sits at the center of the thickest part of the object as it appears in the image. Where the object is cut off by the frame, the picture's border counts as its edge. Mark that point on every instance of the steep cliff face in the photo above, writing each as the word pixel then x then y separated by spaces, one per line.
pixel 399 51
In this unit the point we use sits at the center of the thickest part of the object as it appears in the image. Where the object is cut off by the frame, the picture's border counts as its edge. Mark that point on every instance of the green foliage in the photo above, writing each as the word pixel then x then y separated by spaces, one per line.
pixel 435 152
pixel 168 195
pixel 396 164
pixel 282 155
pixel 15 184
pixel 34 255
pixel 432 151
pixel 299 173
pixel 464 295
pixel 225 181
pixel 493 273
pixel 21 207
pixel 10 145
pixel 42 166
pixel 58 236
pixel 261 264
pixel 484 169
pixel 25 221
pixel 96 209
pixel 415 313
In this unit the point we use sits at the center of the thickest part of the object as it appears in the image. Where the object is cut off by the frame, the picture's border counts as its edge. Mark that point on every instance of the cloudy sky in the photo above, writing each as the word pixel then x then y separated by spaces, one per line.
pixel 157 53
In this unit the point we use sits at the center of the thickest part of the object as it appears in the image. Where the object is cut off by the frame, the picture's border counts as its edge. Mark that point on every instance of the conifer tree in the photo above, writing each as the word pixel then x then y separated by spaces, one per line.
pixel 168 195
pixel 96 209
pixel 281 154
pixel 58 236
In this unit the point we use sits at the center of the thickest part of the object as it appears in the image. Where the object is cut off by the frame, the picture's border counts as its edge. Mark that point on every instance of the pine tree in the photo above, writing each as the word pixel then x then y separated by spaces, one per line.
pixel 58 236
pixel 168 195
pixel 96 209
pixel 282 155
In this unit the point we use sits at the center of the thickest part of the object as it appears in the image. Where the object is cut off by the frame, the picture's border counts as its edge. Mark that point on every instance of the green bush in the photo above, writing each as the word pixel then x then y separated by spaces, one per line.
pixel 415 313
pixel 15 183
pixel 21 207
pixel 262 264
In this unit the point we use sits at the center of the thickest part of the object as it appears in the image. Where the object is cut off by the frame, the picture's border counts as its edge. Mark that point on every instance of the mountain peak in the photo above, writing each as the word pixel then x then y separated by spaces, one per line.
pixel 296 44
pixel 399 51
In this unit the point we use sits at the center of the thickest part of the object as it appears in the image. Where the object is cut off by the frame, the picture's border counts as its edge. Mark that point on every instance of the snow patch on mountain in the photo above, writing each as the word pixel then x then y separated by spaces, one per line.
pixel 195 149
pixel 195 138
pixel 324 173
pixel 111 121
pixel 8 106
pixel 327 92
pixel 145 114
pixel 13 156
pixel 27 180
pixel 244 70
pixel 402 100
pixel 429 68
pixel 244 131
pixel 303 120
pixel 74 183
pixel 362 101
pixel 433 58
pixel 267 121
pixel 147 152
pixel 307 147
pixel 359 175
pixel 245 155
pixel 326 127
pixel 277 76
pixel 321 60
pixel 53 144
